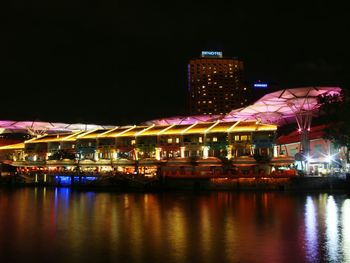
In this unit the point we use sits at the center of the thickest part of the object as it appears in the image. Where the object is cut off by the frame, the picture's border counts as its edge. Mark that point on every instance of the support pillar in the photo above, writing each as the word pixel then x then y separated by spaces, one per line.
pixel 182 151
pixel 205 152
pixel 229 152
pixel 158 151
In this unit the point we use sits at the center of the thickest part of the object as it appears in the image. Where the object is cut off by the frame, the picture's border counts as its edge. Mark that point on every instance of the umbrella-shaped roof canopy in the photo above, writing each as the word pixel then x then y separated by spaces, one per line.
pixel 46 127
pixel 184 119
pixel 283 105
pixel 278 107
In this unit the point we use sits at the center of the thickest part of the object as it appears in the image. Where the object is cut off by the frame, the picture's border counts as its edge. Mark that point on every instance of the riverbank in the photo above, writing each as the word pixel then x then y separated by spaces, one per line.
pixel 141 184
pixel 263 184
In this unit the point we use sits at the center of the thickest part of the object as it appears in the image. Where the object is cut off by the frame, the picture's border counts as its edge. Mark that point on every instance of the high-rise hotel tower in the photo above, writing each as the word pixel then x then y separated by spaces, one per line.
pixel 215 84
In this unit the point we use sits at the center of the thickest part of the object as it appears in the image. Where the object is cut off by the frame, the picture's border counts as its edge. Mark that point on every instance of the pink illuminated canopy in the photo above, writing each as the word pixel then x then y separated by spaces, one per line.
pixel 47 127
pixel 283 105
pixel 278 107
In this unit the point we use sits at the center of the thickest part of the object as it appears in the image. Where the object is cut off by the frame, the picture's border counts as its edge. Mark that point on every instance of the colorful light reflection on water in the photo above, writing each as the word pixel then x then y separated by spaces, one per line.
pixel 61 225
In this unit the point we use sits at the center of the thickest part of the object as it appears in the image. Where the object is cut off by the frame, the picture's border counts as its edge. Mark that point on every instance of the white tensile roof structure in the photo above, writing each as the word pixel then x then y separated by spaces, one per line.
pixel 283 106
pixel 39 127
pixel 184 120
pixel 280 107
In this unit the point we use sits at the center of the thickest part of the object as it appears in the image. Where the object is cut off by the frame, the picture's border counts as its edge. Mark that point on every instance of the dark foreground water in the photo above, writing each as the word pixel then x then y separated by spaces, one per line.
pixel 61 225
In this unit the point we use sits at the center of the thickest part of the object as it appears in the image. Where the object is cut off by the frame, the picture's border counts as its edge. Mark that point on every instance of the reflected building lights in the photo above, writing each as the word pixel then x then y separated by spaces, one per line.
pixel 332 229
pixel 346 230
pixel 177 233
pixel 206 230
pixel 311 230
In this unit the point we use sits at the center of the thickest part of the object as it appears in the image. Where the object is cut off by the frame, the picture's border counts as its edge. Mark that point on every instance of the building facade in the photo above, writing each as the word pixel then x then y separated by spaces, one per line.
pixel 216 84
pixel 194 149
pixel 324 157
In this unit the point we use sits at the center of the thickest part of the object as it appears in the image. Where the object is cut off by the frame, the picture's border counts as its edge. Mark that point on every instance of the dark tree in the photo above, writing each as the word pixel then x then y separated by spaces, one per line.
pixel 335 113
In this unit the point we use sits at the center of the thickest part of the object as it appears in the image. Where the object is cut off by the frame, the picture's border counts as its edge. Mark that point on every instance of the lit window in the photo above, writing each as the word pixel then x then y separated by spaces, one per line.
pixel 177 140
pixel 244 137
pixel 133 142
pixel 209 101
pixel 236 137
pixel 215 139
pixel 200 139
pixel 204 101
pixel 170 140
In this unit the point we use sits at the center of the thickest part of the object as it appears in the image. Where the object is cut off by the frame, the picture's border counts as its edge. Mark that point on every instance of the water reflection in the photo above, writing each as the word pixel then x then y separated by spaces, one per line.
pixel 61 225
pixel 311 230
pixel 346 229
pixel 332 229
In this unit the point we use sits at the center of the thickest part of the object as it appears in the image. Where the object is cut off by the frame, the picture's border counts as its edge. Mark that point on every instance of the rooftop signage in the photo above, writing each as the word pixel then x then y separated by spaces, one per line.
pixel 210 54
pixel 260 85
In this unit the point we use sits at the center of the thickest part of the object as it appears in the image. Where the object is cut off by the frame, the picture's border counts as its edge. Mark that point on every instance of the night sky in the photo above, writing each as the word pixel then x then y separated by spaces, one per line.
pixel 124 62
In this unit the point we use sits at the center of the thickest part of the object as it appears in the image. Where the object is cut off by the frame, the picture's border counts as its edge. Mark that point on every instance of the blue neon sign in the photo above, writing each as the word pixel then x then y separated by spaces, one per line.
pixel 260 85
pixel 212 54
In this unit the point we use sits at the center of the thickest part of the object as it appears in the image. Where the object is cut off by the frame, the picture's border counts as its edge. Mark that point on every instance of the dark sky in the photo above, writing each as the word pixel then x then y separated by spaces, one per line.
pixel 123 62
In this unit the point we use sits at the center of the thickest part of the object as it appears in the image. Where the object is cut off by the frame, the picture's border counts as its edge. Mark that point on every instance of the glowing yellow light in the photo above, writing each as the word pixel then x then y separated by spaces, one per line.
pixel 121 133
pixel 191 126
pixel 146 129
pixel 70 136
pixel 234 125
pixel 86 133
pixel 104 133
pixel 212 126
pixel 164 130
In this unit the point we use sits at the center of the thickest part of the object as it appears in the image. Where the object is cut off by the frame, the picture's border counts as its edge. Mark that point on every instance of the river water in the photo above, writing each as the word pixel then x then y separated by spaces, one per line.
pixel 63 225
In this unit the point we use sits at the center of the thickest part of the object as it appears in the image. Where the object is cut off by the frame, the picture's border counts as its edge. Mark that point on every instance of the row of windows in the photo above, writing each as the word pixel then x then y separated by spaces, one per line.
pixel 214 65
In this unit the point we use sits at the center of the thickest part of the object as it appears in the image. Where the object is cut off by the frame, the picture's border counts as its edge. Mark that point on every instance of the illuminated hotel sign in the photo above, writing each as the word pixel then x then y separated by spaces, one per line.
pixel 210 54
pixel 260 85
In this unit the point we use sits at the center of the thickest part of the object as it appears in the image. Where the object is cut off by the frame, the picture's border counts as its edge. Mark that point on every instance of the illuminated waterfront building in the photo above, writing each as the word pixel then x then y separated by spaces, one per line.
pixel 145 149
pixel 241 143
pixel 216 84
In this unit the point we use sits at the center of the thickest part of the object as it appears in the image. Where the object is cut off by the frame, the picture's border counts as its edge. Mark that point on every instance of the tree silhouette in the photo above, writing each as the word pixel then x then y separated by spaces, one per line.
pixel 335 113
